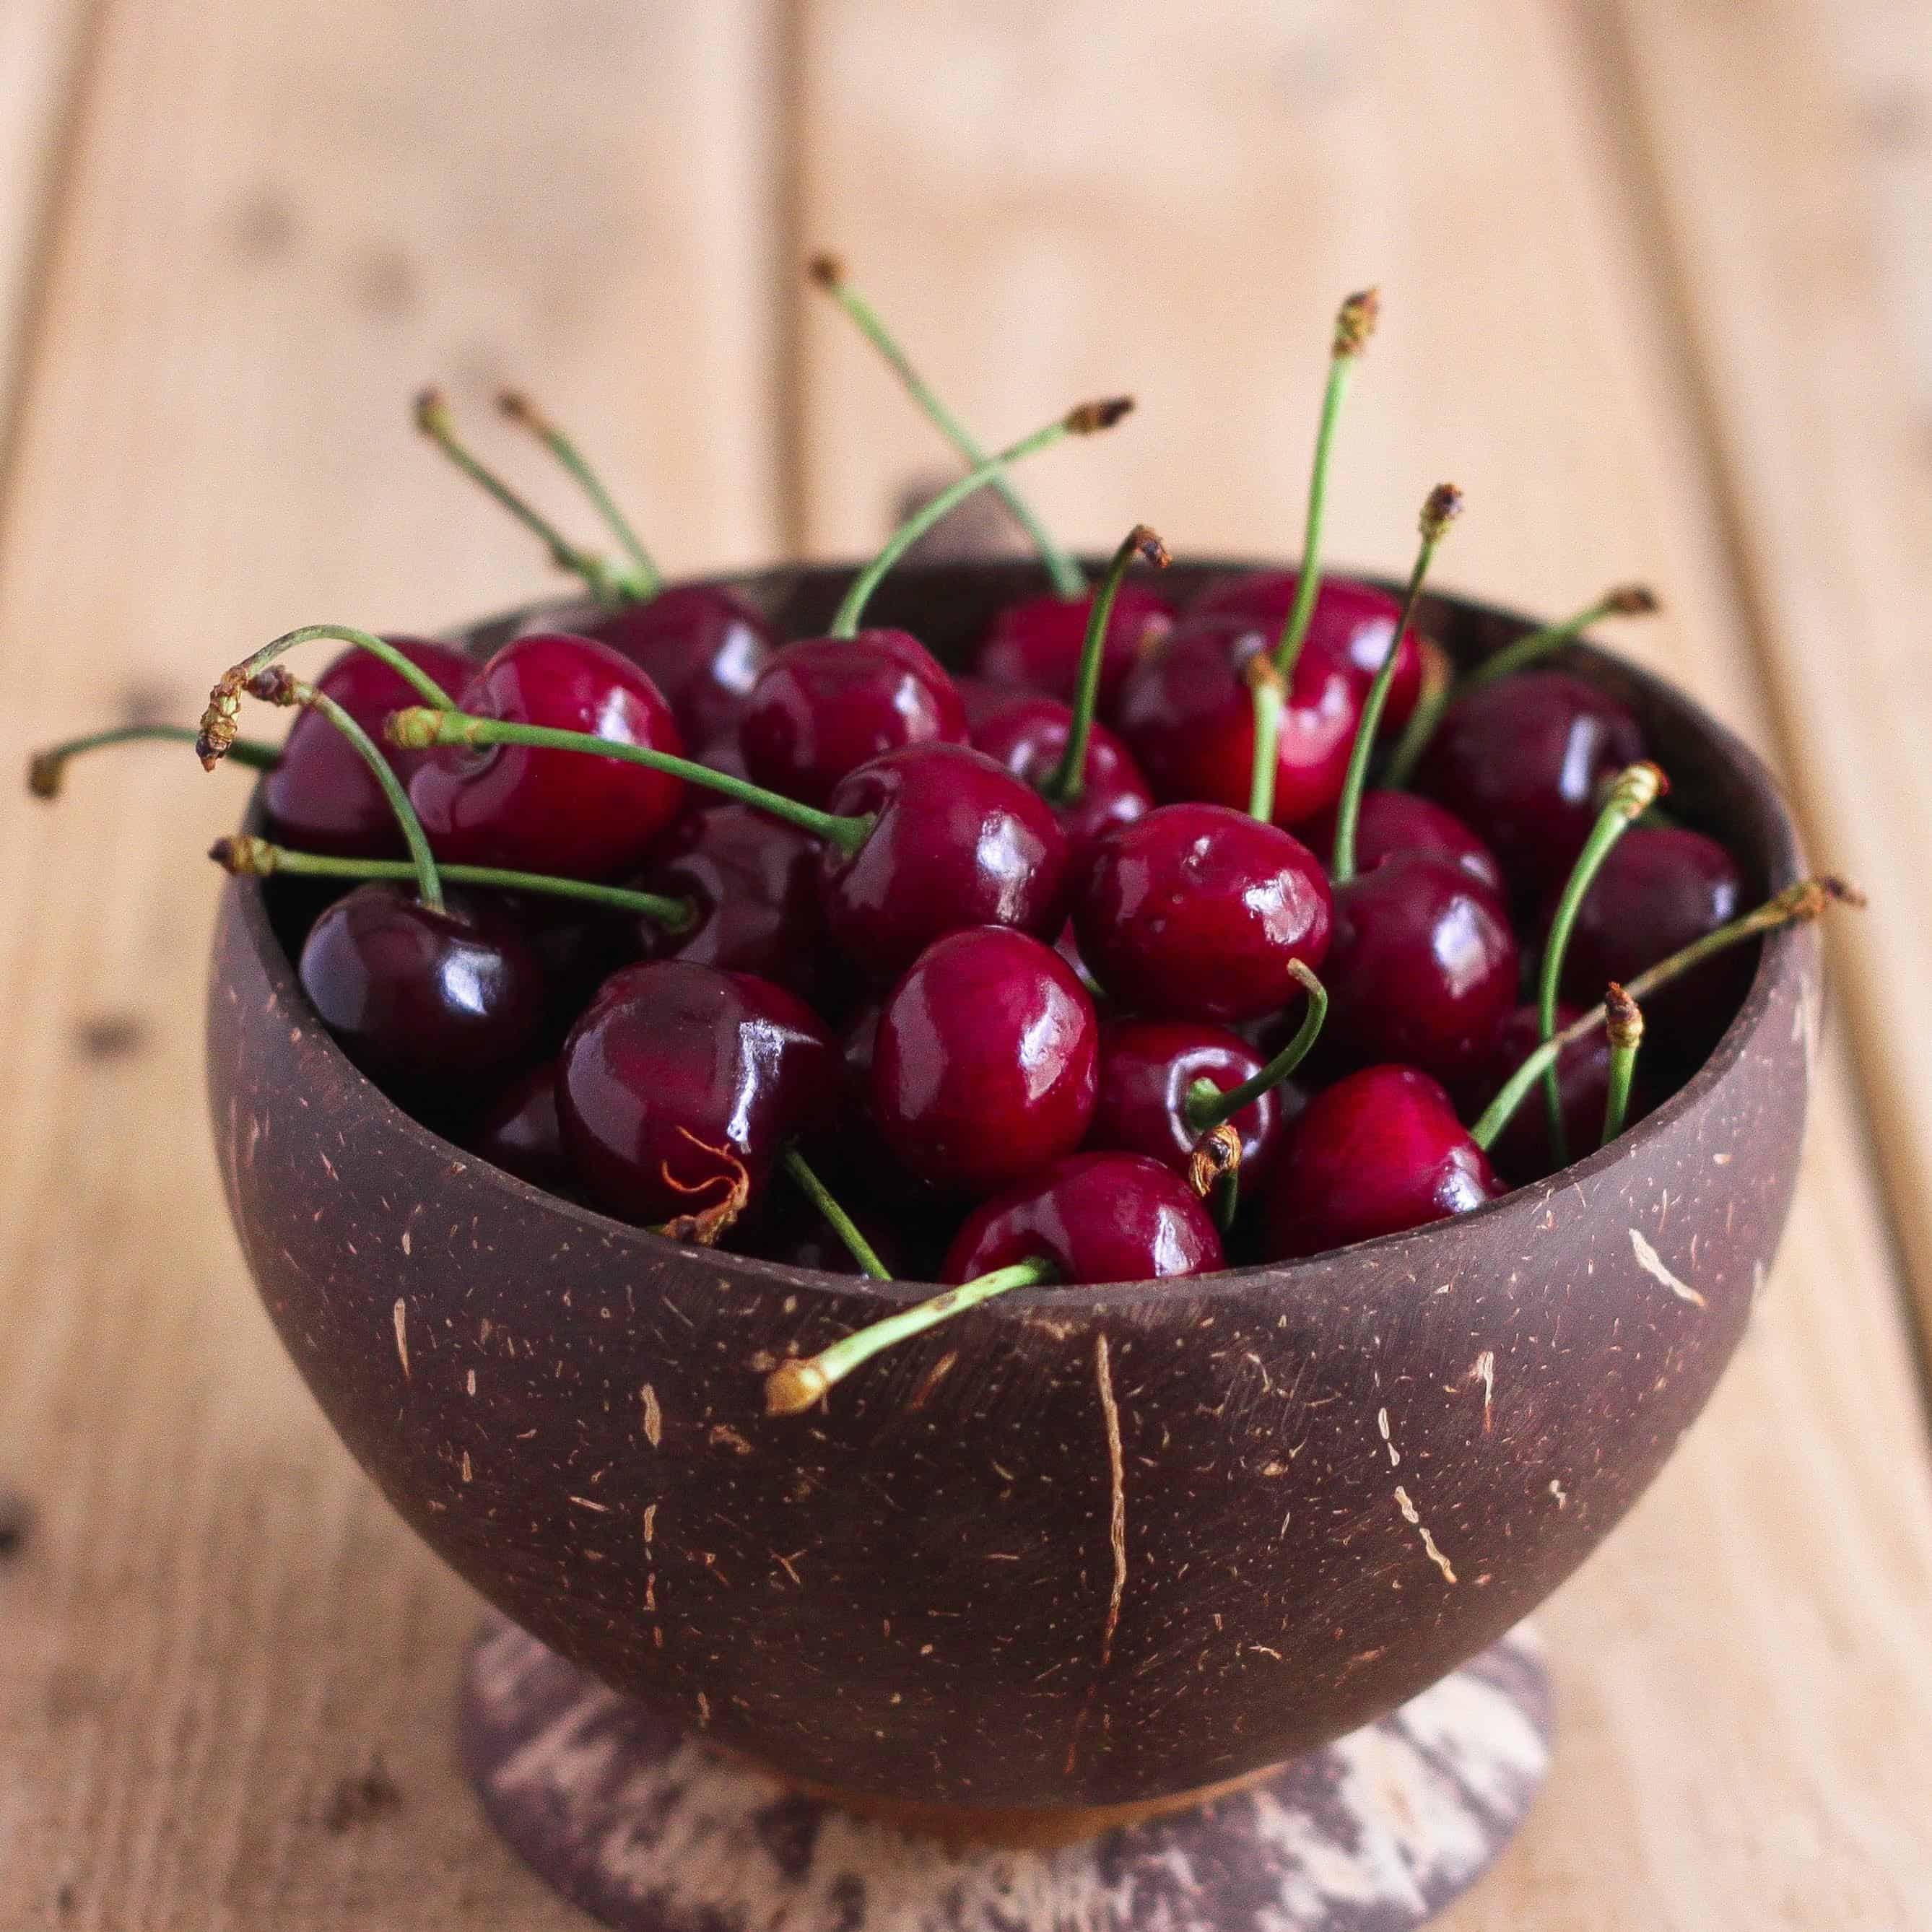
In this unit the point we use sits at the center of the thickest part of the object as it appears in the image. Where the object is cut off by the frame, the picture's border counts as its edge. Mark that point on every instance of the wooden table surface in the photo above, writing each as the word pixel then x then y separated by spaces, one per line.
pixel 1658 295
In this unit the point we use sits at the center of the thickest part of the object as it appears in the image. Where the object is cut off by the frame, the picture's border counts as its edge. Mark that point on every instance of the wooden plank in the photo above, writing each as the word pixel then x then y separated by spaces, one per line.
pixel 1076 208
pixel 1816 372
pixel 278 225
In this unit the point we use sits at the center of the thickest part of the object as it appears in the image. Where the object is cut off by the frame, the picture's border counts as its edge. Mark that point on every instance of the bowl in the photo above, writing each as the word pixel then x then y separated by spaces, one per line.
pixel 1084 1547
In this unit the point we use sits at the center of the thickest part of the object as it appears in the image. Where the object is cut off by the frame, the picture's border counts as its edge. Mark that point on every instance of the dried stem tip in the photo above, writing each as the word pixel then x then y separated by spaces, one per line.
pixel 1624 1018
pixel 276 684
pixel 792 1388
pixel 1355 321
pixel 1443 506
pixel 43 774
pixel 827 269
pixel 246 857
pixel 1636 788
pixel 518 407
pixel 1152 551
pixel 219 729
pixel 433 416
pixel 1089 417
pixel 1217 1152
pixel 1630 600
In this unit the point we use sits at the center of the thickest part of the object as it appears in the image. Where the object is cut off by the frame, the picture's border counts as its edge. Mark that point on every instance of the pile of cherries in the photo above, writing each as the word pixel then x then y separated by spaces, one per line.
pixel 1098 960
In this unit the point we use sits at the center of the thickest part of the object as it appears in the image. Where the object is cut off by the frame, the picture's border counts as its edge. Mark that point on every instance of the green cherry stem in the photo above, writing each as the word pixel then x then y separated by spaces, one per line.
pixel 842 1223
pixel 1438 690
pixel 46 770
pixel 1796 905
pixel 828 271
pixel 417 728
pixel 607 584
pixel 275 685
pixel 250 857
pixel 1068 779
pixel 1442 506
pixel 646 580
pixel 1635 789
pixel 1207 1105
pixel 1624 1022
pixel 1627 600
pixel 217 735
pixel 1085 420
pixel 794 1386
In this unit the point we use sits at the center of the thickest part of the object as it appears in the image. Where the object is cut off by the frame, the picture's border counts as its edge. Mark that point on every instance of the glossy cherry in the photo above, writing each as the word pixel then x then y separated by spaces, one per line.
pixel 1422 968
pixel 430 1004
pixel 518 1132
pixel 321 796
pixel 1097 1217
pixel 1029 737
pixel 824 706
pixel 1393 822
pixel 1195 912
pixel 983 1069
pixel 1147 1070
pixel 959 842
pixel 544 810
pixel 702 645
pixel 1375 1153
pixel 679 1086
pixel 1521 762
pixel 1035 644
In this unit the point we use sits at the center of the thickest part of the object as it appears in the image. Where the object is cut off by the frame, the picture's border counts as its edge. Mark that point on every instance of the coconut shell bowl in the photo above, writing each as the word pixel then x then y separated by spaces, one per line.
pixel 1188 1604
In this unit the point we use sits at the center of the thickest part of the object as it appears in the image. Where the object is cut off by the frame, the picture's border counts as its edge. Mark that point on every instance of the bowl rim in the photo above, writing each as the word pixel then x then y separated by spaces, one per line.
pixel 1781 959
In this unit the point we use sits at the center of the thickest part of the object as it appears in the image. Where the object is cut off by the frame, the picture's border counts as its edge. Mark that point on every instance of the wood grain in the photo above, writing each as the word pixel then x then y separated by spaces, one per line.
pixel 1183 227
pixel 276 227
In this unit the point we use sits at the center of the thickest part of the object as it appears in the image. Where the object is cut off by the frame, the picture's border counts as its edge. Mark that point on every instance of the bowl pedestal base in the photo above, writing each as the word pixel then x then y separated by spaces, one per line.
pixel 650 1830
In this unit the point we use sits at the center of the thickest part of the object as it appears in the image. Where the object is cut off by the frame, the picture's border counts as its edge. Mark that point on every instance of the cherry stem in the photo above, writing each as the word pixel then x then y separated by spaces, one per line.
pixel 1068 779
pixel 1068 579
pixel 276 685
pixel 842 1223
pixel 253 858
pixel 1084 421
pixel 646 580
pixel 1442 506
pixel 607 584
pixel 1624 1022
pixel 46 770
pixel 1796 905
pixel 1438 688
pixel 1627 600
pixel 1635 789
pixel 217 734
pixel 794 1386
pixel 1207 1105
pixel 417 728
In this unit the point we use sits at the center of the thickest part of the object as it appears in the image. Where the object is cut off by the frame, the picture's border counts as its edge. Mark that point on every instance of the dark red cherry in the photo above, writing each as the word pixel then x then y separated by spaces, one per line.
pixel 753 881
pixel 680 1085
pixel 1195 912
pixel 1029 737
pixel 1422 967
pixel 1187 715
pixel 426 1002
pixel 722 754
pixel 321 796
pixel 1147 1070
pixel 1097 1217
pixel 793 1232
pixel 824 706
pixel 1391 822
pixel 983 1067
pixel 701 644
pixel 983 700
pixel 1035 644
pixel 519 1132
pixel 1377 1152
pixel 959 842
pixel 1521 762
pixel 1352 624
pixel 546 811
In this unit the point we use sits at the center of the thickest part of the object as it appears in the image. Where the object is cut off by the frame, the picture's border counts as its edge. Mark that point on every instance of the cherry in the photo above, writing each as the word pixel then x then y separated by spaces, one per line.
pixel 1035 644
pixel 1521 1149
pixel 1520 761
pixel 321 795
pixel 793 1232
pixel 1393 822
pixel 984 1066
pixel 1097 1218
pixel 679 1085
pixel 1422 966
pixel 702 645
pixel 983 700
pixel 824 706
pixel 1197 912
pixel 1379 1152
pixel 1147 1070
pixel 549 811
pixel 1029 736
pixel 958 842
pixel 519 1131
pixel 430 1002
